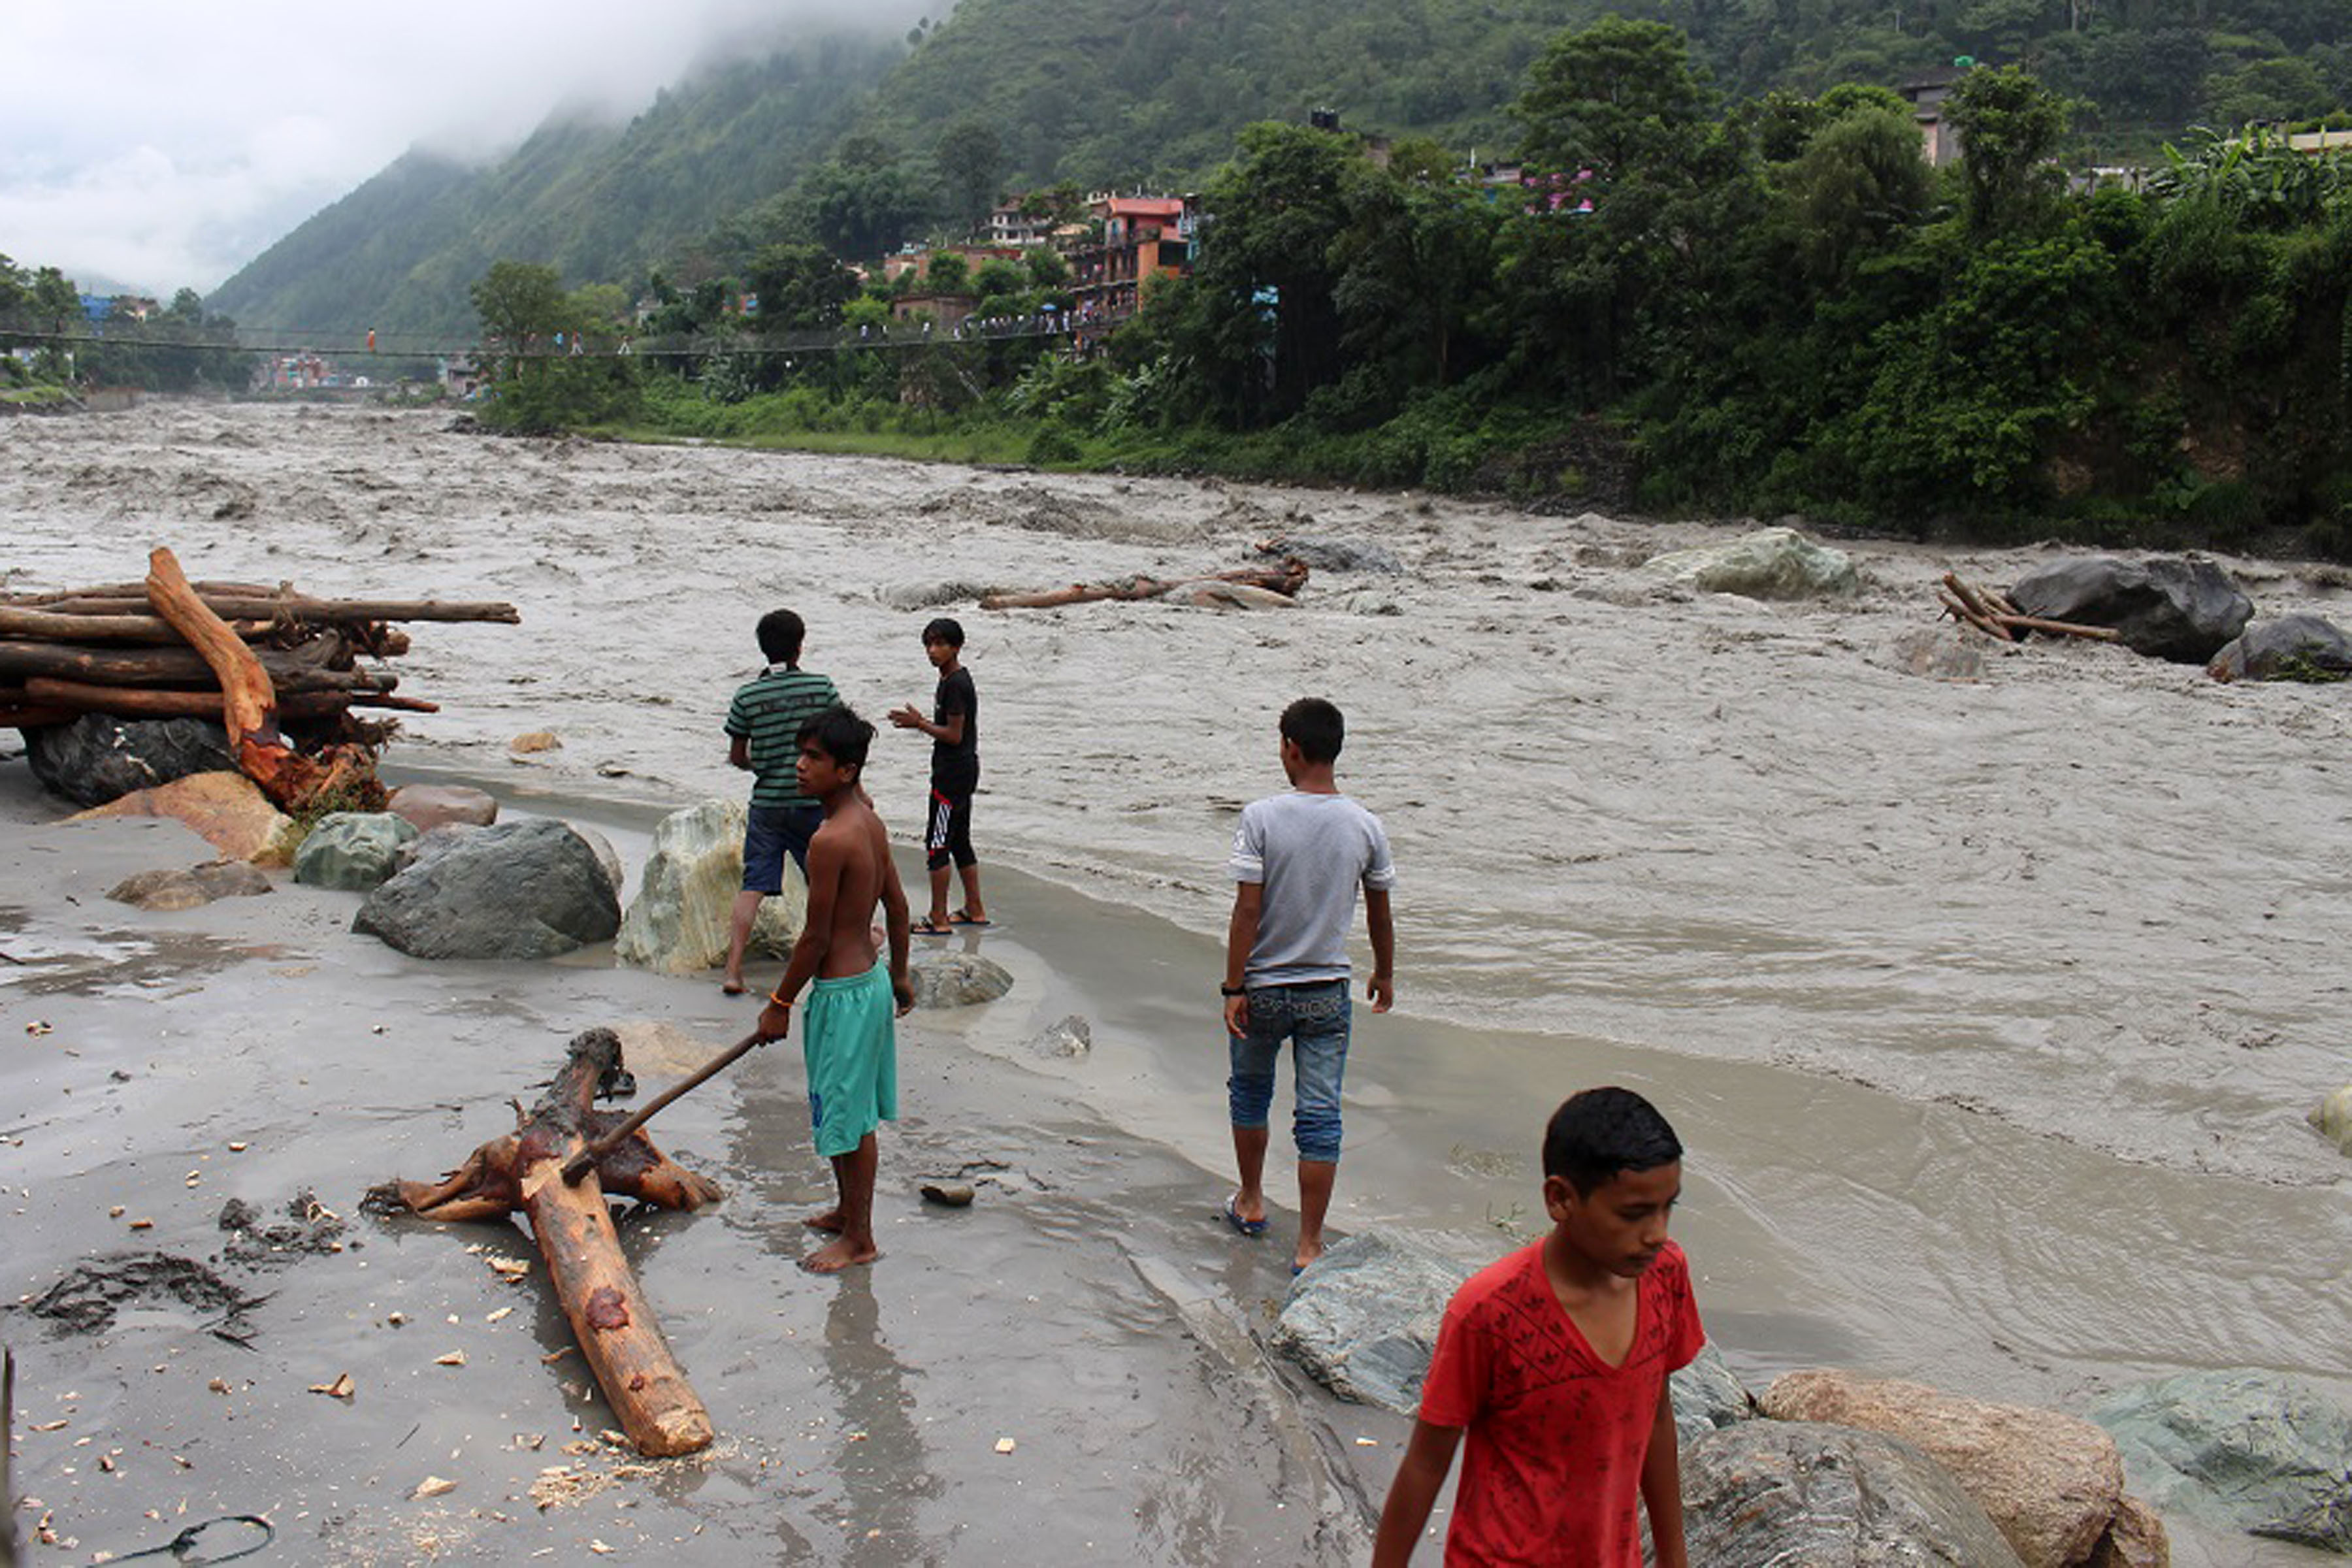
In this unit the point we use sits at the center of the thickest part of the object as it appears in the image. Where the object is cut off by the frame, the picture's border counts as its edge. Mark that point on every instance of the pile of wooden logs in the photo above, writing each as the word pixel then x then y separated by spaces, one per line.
pixel 1990 611
pixel 243 654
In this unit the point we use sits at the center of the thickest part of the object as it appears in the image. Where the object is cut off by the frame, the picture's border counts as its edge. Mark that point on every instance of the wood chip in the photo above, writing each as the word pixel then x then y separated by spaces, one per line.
pixel 433 1485
pixel 47 1427
pixel 502 1314
pixel 238 1148
pixel 1005 1445
pixel 551 1357
pixel 342 1388
pixel 142 1225
pixel 455 1358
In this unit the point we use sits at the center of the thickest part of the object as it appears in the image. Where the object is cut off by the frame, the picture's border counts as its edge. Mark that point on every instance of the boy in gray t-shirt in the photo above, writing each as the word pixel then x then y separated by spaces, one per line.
pixel 1298 860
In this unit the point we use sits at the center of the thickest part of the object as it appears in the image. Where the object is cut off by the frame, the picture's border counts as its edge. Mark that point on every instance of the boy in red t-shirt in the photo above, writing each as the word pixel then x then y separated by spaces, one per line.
pixel 1555 1359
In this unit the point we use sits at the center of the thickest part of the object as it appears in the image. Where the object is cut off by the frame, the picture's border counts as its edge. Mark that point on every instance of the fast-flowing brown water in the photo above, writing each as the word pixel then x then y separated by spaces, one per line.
pixel 1990 1009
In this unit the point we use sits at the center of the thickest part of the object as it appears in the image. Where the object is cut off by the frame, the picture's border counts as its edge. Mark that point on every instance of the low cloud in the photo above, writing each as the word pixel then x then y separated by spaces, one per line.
pixel 157 144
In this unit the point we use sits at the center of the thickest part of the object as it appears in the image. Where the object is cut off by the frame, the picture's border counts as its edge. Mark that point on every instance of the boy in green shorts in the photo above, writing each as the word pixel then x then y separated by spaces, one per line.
pixel 847 1035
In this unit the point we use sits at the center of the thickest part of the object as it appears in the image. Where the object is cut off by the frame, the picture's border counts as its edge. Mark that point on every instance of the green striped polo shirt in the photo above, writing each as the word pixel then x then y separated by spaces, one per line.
pixel 767 715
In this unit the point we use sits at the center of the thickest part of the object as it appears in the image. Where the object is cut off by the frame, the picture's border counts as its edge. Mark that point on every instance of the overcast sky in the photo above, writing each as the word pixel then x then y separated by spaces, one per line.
pixel 162 144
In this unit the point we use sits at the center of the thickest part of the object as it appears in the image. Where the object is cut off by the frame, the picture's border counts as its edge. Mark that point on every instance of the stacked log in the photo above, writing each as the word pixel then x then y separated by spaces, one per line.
pixel 240 653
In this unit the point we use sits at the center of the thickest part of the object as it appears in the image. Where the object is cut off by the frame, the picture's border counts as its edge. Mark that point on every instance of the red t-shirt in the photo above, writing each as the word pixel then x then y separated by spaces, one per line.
pixel 1552 1467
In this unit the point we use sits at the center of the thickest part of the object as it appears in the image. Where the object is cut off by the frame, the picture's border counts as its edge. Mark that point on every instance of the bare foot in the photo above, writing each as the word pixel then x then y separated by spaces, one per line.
pixel 1302 1258
pixel 732 985
pixel 828 1222
pixel 836 1256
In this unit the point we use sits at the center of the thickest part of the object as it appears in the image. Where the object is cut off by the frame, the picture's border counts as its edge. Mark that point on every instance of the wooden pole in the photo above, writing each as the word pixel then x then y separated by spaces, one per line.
pixel 579 1164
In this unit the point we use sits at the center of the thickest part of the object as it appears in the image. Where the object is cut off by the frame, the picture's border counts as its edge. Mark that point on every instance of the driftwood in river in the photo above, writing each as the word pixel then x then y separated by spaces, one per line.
pixel 599 1292
pixel 1990 611
pixel 1287 579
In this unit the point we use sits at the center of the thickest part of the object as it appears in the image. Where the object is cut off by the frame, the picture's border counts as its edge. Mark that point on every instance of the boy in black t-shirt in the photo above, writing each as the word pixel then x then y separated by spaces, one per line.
pixel 954 730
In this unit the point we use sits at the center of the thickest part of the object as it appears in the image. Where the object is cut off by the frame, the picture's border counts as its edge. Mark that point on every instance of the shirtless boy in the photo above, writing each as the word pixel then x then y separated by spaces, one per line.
pixel 847 1035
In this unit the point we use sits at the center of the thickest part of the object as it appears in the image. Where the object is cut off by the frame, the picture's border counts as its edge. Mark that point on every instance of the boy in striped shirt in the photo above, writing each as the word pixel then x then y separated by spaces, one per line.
pixel 763 727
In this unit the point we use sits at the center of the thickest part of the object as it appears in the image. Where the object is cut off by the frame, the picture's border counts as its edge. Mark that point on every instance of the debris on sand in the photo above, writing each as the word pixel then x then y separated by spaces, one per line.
pixel 85 1300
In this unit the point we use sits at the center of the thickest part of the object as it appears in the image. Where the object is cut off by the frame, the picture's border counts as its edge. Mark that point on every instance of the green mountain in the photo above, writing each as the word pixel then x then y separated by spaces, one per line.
pixel 598 201
pixel 829 136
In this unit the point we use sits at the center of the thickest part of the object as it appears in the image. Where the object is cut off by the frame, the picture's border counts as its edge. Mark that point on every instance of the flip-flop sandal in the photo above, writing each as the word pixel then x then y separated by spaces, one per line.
pixel 961 919
pixel 925 928
pixel 1245 1226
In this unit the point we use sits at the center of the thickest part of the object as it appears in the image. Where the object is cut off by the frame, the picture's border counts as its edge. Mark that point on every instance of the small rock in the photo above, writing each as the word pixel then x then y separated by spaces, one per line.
pixel 1072 1036
pixel 535 741
pixel 944 979
pixel 953 1196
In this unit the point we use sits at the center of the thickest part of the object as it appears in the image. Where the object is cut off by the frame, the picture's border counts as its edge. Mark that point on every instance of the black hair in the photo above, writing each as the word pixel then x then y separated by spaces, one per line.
pixel 780 632
pixel 1314 727
pixel 1596 1134
pixel 944 630
pixel 839 735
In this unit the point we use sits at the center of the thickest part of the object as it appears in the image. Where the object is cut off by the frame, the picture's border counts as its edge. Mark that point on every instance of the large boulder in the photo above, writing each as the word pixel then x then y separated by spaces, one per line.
pixel 2177 609
pixel 1761 1494
pixel 678 922
pixel 1325 554
pixel 1770 564
pixel 437 806
pixel 943 979
pixel 2253 1450
pixel 532 889
pixel 1363 1320
pixel 2051 1481
pixel 227 810
pixel 1708 1396
pixel 99 758
pixel 2290 648
pixel 191 887
pixel 353 850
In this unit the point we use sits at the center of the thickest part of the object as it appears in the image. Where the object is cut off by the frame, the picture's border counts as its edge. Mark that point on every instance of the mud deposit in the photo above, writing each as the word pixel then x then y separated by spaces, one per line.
pixel 1989 1007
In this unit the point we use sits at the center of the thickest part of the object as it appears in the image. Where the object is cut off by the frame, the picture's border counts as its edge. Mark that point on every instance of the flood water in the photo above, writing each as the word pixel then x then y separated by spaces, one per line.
pixel 1990 1010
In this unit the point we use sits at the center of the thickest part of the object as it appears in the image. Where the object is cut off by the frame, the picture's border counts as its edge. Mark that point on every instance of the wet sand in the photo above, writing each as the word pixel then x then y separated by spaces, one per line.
pixel 1963 995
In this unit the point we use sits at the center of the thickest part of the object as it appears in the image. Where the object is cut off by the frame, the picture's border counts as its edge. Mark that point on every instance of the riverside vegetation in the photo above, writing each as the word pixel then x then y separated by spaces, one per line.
pixel 1774 305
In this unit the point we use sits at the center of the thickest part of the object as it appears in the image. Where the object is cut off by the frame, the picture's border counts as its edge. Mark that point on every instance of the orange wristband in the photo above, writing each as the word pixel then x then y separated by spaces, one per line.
pixel 780 1001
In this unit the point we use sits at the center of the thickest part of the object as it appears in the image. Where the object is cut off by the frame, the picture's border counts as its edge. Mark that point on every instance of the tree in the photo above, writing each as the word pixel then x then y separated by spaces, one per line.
pixel 861 211
pixel 800 288
pixel 2009 126
pixel 971 158
pixel 1859 182
pixel 1617 98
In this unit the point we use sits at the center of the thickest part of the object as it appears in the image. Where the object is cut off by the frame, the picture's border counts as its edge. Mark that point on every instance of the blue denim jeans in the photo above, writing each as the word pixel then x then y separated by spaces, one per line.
pixel 771 832
pixel 1314 1018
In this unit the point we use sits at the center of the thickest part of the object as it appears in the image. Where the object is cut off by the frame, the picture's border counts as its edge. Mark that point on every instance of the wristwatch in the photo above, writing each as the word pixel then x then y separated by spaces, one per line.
pixel 1233 990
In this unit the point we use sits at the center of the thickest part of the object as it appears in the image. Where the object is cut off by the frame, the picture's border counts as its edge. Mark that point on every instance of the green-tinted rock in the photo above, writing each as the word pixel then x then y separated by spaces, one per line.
pixel 354 850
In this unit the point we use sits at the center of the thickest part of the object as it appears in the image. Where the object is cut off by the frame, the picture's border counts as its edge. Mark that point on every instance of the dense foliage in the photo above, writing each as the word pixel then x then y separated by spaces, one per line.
pixel 861 143
pixel 51 342
pixel 1762 307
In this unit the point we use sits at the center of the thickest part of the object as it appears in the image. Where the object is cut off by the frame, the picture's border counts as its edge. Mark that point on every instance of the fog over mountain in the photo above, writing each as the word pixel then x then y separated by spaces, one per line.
pixel 159 145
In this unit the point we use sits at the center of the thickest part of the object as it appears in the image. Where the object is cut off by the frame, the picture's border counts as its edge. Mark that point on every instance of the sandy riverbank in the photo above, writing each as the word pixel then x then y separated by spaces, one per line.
pixel 1963 994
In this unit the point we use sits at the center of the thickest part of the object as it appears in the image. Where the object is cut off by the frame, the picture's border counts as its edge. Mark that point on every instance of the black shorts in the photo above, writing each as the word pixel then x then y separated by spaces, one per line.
pixel 949 835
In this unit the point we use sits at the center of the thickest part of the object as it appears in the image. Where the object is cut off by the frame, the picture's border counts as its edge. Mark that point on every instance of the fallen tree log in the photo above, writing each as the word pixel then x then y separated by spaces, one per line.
pixel 597 1289
pixel 1287 579
pixel 160 702
pixel 268 606
pixel 46 626
pixel 344 772
pixel 310 667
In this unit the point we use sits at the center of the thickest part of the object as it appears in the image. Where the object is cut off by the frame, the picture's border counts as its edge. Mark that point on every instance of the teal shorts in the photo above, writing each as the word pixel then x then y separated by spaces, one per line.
pixel 849 1040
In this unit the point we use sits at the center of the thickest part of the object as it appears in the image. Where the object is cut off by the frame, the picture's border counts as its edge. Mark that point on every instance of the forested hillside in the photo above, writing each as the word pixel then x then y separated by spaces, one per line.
pixel 859 145
pixel 600 201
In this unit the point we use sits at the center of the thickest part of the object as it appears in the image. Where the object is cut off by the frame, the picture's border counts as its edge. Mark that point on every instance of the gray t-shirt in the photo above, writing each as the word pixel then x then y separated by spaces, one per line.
pixel 1311 852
